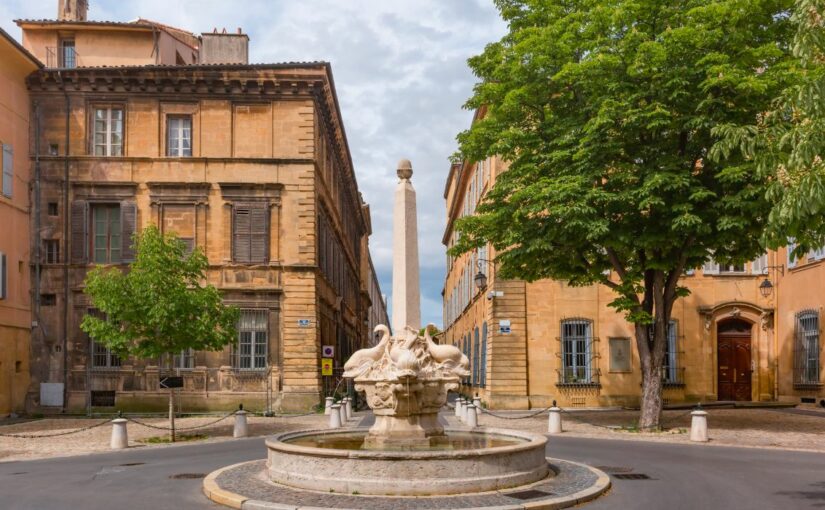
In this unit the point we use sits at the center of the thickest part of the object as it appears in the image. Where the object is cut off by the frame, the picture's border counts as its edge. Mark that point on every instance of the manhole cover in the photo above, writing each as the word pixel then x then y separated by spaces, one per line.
pixel 615 469
pixel 531 494
pixel 631 476
pixel 187 476
pixel 129 464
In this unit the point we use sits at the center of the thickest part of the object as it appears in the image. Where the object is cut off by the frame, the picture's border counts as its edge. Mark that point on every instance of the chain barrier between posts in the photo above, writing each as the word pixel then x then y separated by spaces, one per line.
pixel 65 433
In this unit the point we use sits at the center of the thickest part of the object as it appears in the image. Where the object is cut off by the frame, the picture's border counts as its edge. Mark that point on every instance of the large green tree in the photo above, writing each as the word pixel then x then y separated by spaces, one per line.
pixel 161 305
pixel 787 141
pixel 605 111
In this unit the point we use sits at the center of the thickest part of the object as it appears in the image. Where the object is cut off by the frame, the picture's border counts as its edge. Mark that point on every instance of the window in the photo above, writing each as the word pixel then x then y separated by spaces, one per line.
pixel 8 170
pixel 476 359
pixel 250 233
pixel 179 136
pixel 806 350
pixel 760 264
pixel 108 132
pixel 670 365
pixel 52 209
pixel 816 254
pixel 106 234
pixel 251 352
pixel 48 299
pixel 52 249
pixel 184 360
pixel 576 340
pixel 733 268
pixel 483 370
pixel 102 356
pixel 68 56
pixel 791 257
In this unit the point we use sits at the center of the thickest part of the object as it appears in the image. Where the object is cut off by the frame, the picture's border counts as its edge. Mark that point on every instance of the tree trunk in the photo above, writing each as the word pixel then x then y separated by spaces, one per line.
pixel 651 406
pixel 652 351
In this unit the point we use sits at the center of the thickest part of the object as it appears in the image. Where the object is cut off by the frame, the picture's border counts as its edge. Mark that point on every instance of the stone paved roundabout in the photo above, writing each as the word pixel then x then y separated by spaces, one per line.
pixel 246 486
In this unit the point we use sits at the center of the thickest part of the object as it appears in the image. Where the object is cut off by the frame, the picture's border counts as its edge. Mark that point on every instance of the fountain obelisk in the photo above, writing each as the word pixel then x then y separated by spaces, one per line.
pixel 406 287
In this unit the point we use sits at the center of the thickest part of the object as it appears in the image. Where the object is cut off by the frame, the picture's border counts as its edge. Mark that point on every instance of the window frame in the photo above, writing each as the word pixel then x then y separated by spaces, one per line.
pixel 254 341
pixel 107 143
pixel 807 370
pixel 61 53
pixel 48 244
pixel 7 170
pixel 179 151
pixel 577 352
pixel 109 206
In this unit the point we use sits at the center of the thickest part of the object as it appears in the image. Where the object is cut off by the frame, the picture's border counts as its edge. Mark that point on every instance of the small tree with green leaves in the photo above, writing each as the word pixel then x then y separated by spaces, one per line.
pixel 161 305
pixel 605 111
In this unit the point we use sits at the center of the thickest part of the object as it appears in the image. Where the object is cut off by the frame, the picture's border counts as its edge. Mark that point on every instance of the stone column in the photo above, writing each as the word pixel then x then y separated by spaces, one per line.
pixel 120 438
pixel 241 428
pixel 406 287
pixel 699 426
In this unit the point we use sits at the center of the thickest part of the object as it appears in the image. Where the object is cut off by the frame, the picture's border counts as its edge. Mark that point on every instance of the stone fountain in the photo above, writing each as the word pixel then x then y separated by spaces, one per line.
pixel 409 450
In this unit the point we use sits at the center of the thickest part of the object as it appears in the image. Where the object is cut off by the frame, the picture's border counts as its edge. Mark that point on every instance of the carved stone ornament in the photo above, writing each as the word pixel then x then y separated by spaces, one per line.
pixel 406 378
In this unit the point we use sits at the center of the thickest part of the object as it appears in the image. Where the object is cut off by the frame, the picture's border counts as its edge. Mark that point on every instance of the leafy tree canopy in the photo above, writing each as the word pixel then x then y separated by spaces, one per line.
pixel 605 111
pixel 787 141
pixel 161 305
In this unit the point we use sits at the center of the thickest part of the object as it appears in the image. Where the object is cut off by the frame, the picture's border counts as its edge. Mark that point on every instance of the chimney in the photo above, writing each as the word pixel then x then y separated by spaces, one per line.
pixel 72 10
pixel 224 47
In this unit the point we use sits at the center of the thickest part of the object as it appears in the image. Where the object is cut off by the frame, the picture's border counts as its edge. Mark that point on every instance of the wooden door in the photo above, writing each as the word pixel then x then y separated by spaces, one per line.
pixel 734 361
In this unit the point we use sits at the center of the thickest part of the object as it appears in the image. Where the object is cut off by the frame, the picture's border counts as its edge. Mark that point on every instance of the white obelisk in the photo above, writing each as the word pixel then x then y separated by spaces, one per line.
pixel 406 288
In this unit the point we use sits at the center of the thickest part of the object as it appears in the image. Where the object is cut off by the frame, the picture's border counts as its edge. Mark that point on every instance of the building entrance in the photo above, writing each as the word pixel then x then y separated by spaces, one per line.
pixel 734 360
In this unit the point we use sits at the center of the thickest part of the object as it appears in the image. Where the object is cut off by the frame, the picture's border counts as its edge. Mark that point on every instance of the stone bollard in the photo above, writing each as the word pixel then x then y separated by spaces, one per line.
pixel 349 407
pixel 554 420
pixel 342 410
pixel 241 428
pixel 334 417
pixel 477 402
pixel 327 404
pixel 472 417
pixel 458 403
pixel 120 439
pixel 464 407
pixel 699 425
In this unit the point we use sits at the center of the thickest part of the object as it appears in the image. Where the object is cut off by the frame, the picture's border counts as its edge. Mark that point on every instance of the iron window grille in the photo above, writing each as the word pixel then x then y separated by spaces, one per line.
pixel 672 371
pixel 806 349
pixel 578 354
pixel 250 353
pixel 102 357
pixel 184 360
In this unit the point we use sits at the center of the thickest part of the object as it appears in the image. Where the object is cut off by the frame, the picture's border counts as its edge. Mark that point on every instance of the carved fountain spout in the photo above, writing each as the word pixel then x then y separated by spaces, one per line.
pixel 406 378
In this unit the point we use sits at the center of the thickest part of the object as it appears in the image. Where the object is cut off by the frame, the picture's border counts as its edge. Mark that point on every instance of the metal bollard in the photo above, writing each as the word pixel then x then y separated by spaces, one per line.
pixel 349 407
pixel 458 403
pixel 342 410
pixel 334 417
pixel 241 428
pixel 554 420
pixel 327 404
pixel 699 425
pixel 120 439
pixel 472 417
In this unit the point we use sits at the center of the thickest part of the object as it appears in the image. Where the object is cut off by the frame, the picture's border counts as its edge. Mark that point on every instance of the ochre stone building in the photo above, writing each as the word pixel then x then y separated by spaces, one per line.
pixel 532 343
pixel 249 163
pixel 15 298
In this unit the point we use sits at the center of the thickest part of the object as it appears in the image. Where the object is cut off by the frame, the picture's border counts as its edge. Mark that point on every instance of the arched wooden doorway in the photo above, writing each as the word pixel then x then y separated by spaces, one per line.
pixel 733 343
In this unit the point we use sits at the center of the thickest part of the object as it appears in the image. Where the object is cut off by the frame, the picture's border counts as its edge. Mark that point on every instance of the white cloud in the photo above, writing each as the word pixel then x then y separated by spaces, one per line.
pixel 400 72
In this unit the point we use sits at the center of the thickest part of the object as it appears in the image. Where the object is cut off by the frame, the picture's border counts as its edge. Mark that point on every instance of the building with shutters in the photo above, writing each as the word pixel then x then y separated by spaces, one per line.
pixel 249 163
pixel 15 299
pixel 532 343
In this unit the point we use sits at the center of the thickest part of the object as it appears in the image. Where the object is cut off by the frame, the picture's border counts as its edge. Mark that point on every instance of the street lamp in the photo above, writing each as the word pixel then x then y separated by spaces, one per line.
pixel 766 287
pixel 480 278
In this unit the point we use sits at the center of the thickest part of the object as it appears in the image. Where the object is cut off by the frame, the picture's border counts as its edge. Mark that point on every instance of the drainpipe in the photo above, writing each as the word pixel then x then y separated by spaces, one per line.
pixel 37 240
pixel 66 257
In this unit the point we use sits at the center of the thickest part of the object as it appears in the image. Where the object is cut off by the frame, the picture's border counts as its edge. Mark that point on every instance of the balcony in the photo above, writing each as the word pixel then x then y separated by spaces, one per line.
pixel 63 57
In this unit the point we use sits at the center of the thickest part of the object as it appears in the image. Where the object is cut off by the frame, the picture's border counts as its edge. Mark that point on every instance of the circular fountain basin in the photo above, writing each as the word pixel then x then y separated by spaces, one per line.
pixel 465 461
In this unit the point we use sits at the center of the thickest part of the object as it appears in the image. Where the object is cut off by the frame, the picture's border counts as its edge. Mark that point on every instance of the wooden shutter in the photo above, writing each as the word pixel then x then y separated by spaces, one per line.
pixel 128 223
pixel 259 242
pixel 8 169
pixel 241 233
pixel 79 229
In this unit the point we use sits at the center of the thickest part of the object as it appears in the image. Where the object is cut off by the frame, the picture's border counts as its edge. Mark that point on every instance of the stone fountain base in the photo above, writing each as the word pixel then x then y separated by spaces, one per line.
pixel 408 471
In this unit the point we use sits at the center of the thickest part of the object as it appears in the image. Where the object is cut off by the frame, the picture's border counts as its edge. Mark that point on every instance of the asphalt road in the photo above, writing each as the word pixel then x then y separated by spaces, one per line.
pixel 681 476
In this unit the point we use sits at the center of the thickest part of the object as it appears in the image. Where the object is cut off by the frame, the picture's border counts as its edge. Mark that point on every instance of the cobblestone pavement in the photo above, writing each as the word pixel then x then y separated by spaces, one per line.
pixel 763 428
pixel 249 481
pixel 97 439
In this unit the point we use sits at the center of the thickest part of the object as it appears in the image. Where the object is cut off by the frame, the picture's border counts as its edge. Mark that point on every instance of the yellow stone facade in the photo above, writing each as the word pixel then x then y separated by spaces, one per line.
pixel 520 362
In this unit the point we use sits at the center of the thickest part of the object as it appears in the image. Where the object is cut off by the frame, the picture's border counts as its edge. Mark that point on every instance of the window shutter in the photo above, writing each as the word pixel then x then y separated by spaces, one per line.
pixel 760 265
pixel 8 169
pixel 241 233
pixel 80 236
pixel 128 223
pixel 710 267
pixel 4 277
pixel 259 242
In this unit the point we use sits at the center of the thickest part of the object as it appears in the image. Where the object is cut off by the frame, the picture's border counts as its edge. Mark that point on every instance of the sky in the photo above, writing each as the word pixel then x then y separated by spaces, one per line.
pixel 400 72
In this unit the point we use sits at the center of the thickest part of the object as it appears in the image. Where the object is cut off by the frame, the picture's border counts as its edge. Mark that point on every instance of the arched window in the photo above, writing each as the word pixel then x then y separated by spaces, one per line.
pixel 483 381
pixel 806 348
pixel 476 359
pixel 576 348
